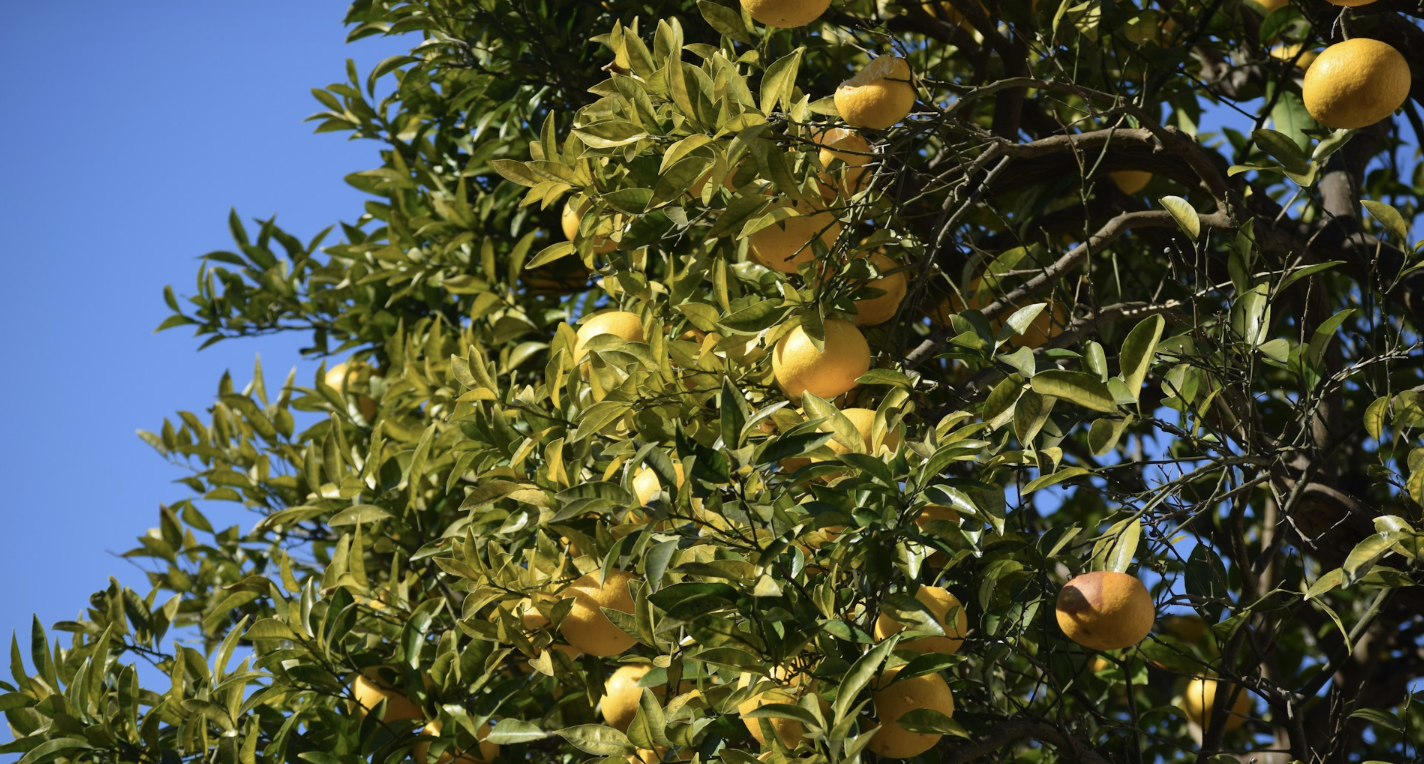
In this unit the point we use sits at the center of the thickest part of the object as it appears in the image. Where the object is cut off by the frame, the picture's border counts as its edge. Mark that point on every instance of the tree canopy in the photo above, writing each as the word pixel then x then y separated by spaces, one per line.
pixel 699 390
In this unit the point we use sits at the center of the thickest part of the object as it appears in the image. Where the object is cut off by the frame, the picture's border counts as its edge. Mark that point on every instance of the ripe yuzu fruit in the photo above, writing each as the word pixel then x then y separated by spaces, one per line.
pixel 786 244
pixel 786 14
pixel 1201 696
pixel 370 688
pixel 1049 323
pixel 483 754
pixel 618 323
pixel 799 367
pixel 572 217
pixel 1131 181
pixel 933 512
pixel 1105 610
pixel 621 695
pixel 789 730
pixel 853 151
pixel 895 700
pixel 878 96
pixel 878 310
pixel 1355 83
pixel 941 603
pixel 646 484
pixel 586 627
pixel 341 375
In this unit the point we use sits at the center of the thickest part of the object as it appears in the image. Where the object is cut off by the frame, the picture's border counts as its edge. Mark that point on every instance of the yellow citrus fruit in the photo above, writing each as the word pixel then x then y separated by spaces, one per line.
pixel 1289 51
pixel 878 96
pixel 786 14
pixel 864 421
pixel 848 147
pixel 878 310
pixel 1266 6
pixel 618 323
pixel 570 219
pixel 894 700
pixel 1100 664
pixel 786 244
pixel 941 603
pixel 586 627
pixel 1131 181
pixel 646 484
pixel 1356 83
pixel 339 375
pixel 530 617
pixel 789 730
pixel 370 689
pixel 1105 610
pixel 486 753
pixel 695 190
pixel 1201 696
pixel 1049 323
pixel 799 367
pixel 621 695
pixel 1191 629
pixel 932 512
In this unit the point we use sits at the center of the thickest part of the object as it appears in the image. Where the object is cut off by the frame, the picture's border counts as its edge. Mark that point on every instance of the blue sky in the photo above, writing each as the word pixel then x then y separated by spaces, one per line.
pixel 132 129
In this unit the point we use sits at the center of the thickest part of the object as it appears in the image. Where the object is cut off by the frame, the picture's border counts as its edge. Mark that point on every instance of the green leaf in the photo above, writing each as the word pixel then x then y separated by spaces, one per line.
pixel 1022 360
pixel 865 669
pixel 361 513
pixel 780 80
pixel 999 406
pixel 1030 414
pixel 1095 361
pixel 596 739
pixel 516 172
pixel 1415 484
pixel 1185 215
pixel 49 748
pixel 1283 149
pixel 1115 550
pixel 1320 341
pixel 1135 357
pixel 1364 555
pixel 1309 270
pixel 1251 316
pixel 931 722
pixel 756 317
pixel 647 730
pixel 1290 116
pixel 1104 434
pixel 551 253
pixel 1326 583
pixel 1374 416
pixel 630 200
pixel 1389 217
pixel 610 134
pixel 889 377
pixel 269 628
pixel 1075 387
pixel 515 732
pixel 725 20
pixel 1044 481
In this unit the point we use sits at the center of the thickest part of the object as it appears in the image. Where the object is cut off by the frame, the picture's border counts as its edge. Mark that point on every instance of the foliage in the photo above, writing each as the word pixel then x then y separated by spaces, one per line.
pixel 1229 405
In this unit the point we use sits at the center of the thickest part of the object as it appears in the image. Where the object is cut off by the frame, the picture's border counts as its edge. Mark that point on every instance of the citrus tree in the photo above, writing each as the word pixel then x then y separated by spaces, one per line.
pixel 806 381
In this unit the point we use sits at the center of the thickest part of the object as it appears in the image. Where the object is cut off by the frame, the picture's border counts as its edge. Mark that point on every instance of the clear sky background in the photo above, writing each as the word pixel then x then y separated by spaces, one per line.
pixel 130 131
